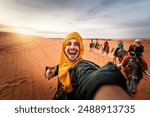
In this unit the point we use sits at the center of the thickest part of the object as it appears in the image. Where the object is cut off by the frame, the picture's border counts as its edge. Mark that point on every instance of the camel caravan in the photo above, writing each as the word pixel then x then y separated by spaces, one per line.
pixel 97 48
pixel 130 62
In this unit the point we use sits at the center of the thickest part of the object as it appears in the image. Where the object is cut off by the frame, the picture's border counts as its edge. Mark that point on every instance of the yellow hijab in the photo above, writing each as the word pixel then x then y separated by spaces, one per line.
pixel 65 64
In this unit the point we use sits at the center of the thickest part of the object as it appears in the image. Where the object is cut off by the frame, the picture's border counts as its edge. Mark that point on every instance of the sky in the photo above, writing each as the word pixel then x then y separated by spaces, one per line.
pixel 91 18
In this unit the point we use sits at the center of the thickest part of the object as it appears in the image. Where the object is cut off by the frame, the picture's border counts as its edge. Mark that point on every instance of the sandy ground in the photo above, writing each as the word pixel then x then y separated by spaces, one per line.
pixel 23 60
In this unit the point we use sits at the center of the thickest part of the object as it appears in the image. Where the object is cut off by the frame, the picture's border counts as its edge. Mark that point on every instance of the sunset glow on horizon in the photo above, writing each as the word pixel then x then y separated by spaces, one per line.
pixel 91 18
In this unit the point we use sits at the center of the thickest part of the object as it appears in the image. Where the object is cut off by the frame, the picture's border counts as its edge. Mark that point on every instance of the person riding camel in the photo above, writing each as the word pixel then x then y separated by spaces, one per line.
pixel 119 47
pixel 105 44
pixel 97 43
pixel 91 45
pixel 92 40
pixel 138 49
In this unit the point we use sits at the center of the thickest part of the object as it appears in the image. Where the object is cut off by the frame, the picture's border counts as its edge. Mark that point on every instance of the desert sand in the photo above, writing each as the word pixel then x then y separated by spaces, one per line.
pixel 23 59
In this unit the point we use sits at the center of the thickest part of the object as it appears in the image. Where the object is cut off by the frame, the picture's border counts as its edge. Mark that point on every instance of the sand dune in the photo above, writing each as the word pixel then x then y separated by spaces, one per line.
pixel 23 60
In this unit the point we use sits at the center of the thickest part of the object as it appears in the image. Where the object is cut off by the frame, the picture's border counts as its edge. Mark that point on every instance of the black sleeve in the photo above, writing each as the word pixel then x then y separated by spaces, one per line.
pixel 89 80
pixel 142 49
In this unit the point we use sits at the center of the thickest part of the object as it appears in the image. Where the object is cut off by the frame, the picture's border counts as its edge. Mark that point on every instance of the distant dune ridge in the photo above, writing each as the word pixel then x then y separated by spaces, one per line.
pixel 23 59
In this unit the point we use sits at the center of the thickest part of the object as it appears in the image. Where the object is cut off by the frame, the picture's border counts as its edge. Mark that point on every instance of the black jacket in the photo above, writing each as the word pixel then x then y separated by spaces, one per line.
pixel 137 49
pixel 87 77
